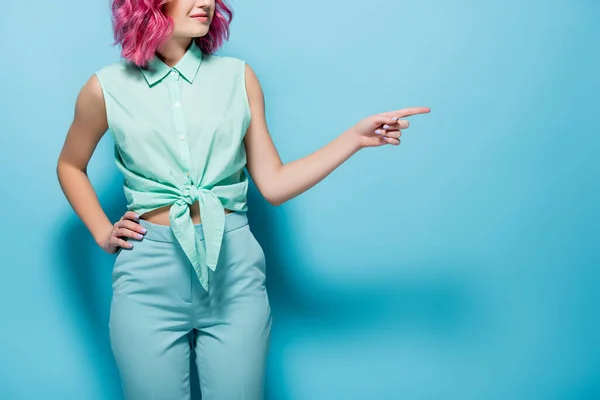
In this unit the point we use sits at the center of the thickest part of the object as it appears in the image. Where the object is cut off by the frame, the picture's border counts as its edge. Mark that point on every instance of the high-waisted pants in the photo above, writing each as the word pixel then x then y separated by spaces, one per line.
pixel 159 312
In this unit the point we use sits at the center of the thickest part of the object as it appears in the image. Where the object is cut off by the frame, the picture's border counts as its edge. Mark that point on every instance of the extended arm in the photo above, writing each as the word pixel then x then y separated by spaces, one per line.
pixel 279 182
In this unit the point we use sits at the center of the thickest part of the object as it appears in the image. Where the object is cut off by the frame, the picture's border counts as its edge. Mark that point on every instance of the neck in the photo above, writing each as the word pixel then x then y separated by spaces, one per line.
pixel 172 51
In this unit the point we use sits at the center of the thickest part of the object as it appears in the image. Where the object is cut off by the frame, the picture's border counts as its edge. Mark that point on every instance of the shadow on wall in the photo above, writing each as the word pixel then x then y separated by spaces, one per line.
pixel 436 303
pixel 84 279
pixel 270 226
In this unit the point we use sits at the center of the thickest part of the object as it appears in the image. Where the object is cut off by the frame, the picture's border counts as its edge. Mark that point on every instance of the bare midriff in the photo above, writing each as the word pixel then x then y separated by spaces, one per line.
pixel 160 216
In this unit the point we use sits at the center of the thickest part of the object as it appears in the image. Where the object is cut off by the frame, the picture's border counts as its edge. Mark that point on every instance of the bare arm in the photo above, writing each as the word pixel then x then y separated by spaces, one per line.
pixel 88 126
pixel 279 182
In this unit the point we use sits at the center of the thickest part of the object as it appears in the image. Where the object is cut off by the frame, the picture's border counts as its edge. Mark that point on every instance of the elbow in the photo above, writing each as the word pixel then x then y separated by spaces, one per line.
pixel 275 200
pixel 273 197
pixel 272 191
pixel 58 169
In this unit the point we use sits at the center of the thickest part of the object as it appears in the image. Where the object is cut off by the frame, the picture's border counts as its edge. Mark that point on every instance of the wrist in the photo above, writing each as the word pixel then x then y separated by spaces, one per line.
pixel 353 139
pixel 101 235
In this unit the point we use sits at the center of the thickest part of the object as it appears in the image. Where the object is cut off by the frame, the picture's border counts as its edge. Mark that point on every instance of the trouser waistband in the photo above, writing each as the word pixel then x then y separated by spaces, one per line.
pixel 163 233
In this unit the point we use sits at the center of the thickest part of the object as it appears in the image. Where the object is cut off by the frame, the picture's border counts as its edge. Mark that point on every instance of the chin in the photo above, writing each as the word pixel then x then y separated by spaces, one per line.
pixel 198 32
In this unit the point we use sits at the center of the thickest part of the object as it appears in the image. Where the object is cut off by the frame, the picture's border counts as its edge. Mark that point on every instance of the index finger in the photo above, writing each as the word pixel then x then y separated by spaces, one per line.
pixel 130 215
pixel 405 112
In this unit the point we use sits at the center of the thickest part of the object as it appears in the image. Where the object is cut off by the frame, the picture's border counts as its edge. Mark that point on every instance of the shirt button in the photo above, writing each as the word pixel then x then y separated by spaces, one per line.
pixel 177 104
pixel 187 174
pixel 182 137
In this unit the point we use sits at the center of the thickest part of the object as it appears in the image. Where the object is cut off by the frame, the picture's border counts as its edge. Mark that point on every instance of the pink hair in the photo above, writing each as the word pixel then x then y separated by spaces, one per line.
pixel 141 27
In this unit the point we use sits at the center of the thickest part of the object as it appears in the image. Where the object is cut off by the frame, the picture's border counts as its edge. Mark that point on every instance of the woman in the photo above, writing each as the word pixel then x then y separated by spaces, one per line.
pixel 185 124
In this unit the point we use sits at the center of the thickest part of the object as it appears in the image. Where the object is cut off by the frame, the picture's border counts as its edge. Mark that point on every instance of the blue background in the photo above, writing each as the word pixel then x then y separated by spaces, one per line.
pixel 462 264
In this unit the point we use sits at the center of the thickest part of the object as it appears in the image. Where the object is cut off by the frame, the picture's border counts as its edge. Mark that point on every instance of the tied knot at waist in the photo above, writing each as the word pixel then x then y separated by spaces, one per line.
pixel 203 256
pixel 190 194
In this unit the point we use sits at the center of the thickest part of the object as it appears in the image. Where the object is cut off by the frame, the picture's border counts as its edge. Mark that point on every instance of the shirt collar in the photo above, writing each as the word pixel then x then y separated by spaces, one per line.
pixel 187 66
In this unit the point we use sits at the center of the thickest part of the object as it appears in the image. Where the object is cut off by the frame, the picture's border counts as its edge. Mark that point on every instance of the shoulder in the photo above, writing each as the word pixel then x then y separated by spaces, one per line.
pixel 117 74
pixel 222 59
pixel 117 67
pixel 93 90
pixel 228 64
pixel 250 78
pixel 90 105
pixel 237 64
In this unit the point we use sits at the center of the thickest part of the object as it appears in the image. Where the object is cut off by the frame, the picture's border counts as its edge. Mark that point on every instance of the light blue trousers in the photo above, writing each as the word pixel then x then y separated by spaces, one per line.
pixel 159 311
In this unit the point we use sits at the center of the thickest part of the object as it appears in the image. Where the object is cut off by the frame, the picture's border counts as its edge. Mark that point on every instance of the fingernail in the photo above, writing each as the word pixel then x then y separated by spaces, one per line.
pixel 139 236
pixel 378 131
pixel 386 126
pixel 130 245
pixel 137 216
pixel 144 230
pixel 395 119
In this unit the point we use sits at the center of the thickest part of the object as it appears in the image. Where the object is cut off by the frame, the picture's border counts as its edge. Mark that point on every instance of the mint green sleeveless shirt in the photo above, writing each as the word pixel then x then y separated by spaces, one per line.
pixel 178 137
